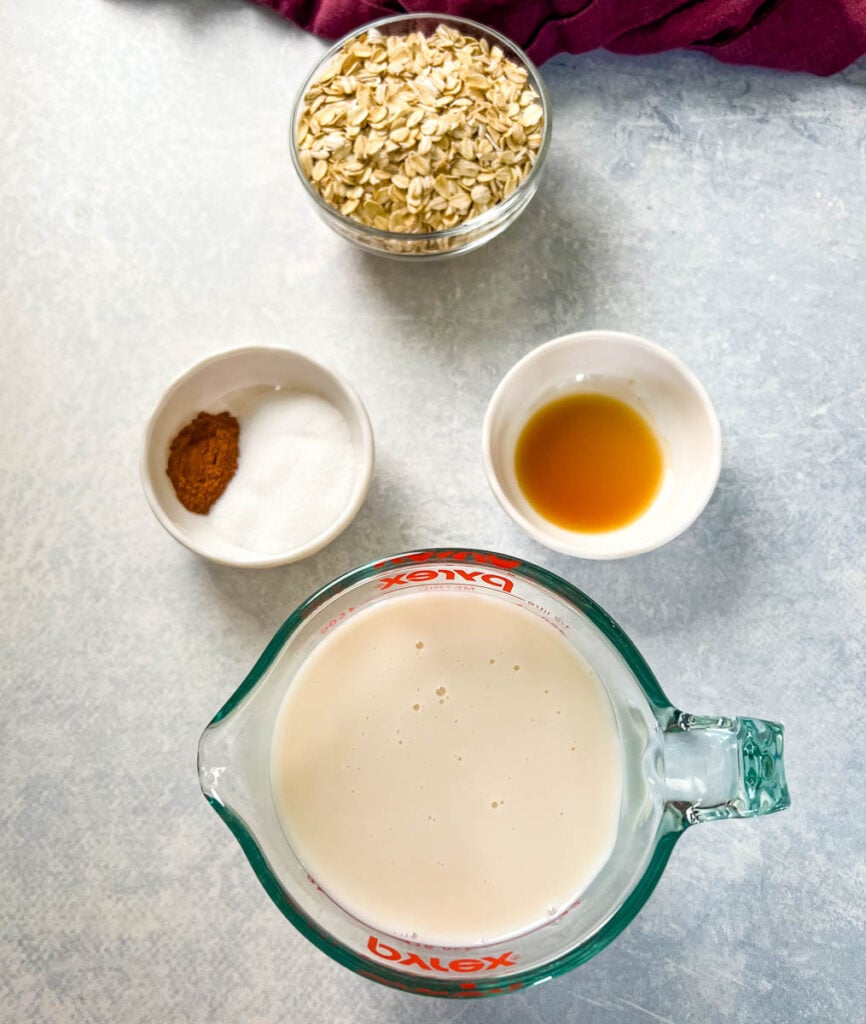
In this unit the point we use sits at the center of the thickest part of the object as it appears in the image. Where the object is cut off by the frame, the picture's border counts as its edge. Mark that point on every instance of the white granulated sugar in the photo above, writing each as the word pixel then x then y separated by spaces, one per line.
pixel 295 474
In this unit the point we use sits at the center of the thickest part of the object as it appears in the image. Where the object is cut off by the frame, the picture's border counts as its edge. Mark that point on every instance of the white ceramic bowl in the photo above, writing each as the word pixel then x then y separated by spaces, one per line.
pixel 651 380
pixel 208 386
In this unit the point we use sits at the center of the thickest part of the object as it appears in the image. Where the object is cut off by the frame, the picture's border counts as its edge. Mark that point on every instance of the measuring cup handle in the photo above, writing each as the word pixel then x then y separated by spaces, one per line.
pixel 723 768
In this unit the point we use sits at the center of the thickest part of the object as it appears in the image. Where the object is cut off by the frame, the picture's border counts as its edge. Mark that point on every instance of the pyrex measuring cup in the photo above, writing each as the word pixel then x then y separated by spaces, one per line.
pixel 678 770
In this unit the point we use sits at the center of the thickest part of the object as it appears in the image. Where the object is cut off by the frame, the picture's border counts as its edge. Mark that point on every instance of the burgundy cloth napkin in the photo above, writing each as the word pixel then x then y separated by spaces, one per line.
pixel 819 36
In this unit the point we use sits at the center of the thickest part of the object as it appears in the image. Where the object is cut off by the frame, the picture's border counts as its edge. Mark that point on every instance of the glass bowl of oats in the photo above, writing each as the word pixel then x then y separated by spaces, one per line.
pixel 421 136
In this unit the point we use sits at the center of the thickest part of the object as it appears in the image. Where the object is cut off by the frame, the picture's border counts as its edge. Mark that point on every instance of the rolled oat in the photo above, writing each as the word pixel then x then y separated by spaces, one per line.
pixel 418 133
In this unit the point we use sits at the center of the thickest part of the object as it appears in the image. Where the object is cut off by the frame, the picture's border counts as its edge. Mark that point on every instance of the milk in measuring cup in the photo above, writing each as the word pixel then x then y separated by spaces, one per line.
pixel 447 768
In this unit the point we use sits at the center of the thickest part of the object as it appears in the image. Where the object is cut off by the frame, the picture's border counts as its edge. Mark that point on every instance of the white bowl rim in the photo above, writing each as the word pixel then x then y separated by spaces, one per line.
pixel 576 548
pixel 352 508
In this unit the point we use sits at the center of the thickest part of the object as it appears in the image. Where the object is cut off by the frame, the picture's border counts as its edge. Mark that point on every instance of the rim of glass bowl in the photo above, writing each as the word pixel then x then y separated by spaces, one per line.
pixel 495 212
pixel 666 837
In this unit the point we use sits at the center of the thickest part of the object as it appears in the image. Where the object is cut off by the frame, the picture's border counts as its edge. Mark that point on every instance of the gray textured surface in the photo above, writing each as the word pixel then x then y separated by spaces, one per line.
pixel 148 216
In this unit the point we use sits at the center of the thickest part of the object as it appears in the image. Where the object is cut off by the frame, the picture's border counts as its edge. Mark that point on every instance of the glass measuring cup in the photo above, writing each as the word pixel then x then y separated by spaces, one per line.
pixel 678 770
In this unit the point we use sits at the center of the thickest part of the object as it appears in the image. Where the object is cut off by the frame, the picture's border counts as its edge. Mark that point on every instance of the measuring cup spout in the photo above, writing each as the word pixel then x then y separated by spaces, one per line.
pixel 723 768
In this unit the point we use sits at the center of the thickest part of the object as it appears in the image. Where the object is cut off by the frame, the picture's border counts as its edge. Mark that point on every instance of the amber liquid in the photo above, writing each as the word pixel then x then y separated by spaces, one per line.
pixel 588 462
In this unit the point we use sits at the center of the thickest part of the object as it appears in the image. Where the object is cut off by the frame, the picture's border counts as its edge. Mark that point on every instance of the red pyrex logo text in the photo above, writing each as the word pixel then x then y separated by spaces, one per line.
pixel 449 575
pixel 429 575
pixel 462 965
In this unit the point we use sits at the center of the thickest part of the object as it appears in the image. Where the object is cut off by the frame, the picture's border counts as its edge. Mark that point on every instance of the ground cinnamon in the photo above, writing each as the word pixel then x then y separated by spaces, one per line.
pixel 203 458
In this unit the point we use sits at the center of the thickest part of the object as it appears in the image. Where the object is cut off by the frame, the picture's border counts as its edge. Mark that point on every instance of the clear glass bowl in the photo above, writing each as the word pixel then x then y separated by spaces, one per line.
pixel 463 237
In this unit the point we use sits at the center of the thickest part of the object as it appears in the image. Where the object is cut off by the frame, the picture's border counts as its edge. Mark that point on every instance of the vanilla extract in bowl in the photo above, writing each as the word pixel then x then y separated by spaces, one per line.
pixel 588 462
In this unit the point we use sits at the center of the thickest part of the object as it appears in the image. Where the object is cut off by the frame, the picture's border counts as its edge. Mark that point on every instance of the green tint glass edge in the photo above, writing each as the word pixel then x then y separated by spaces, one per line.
pixel 269 655
pixel 666 840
